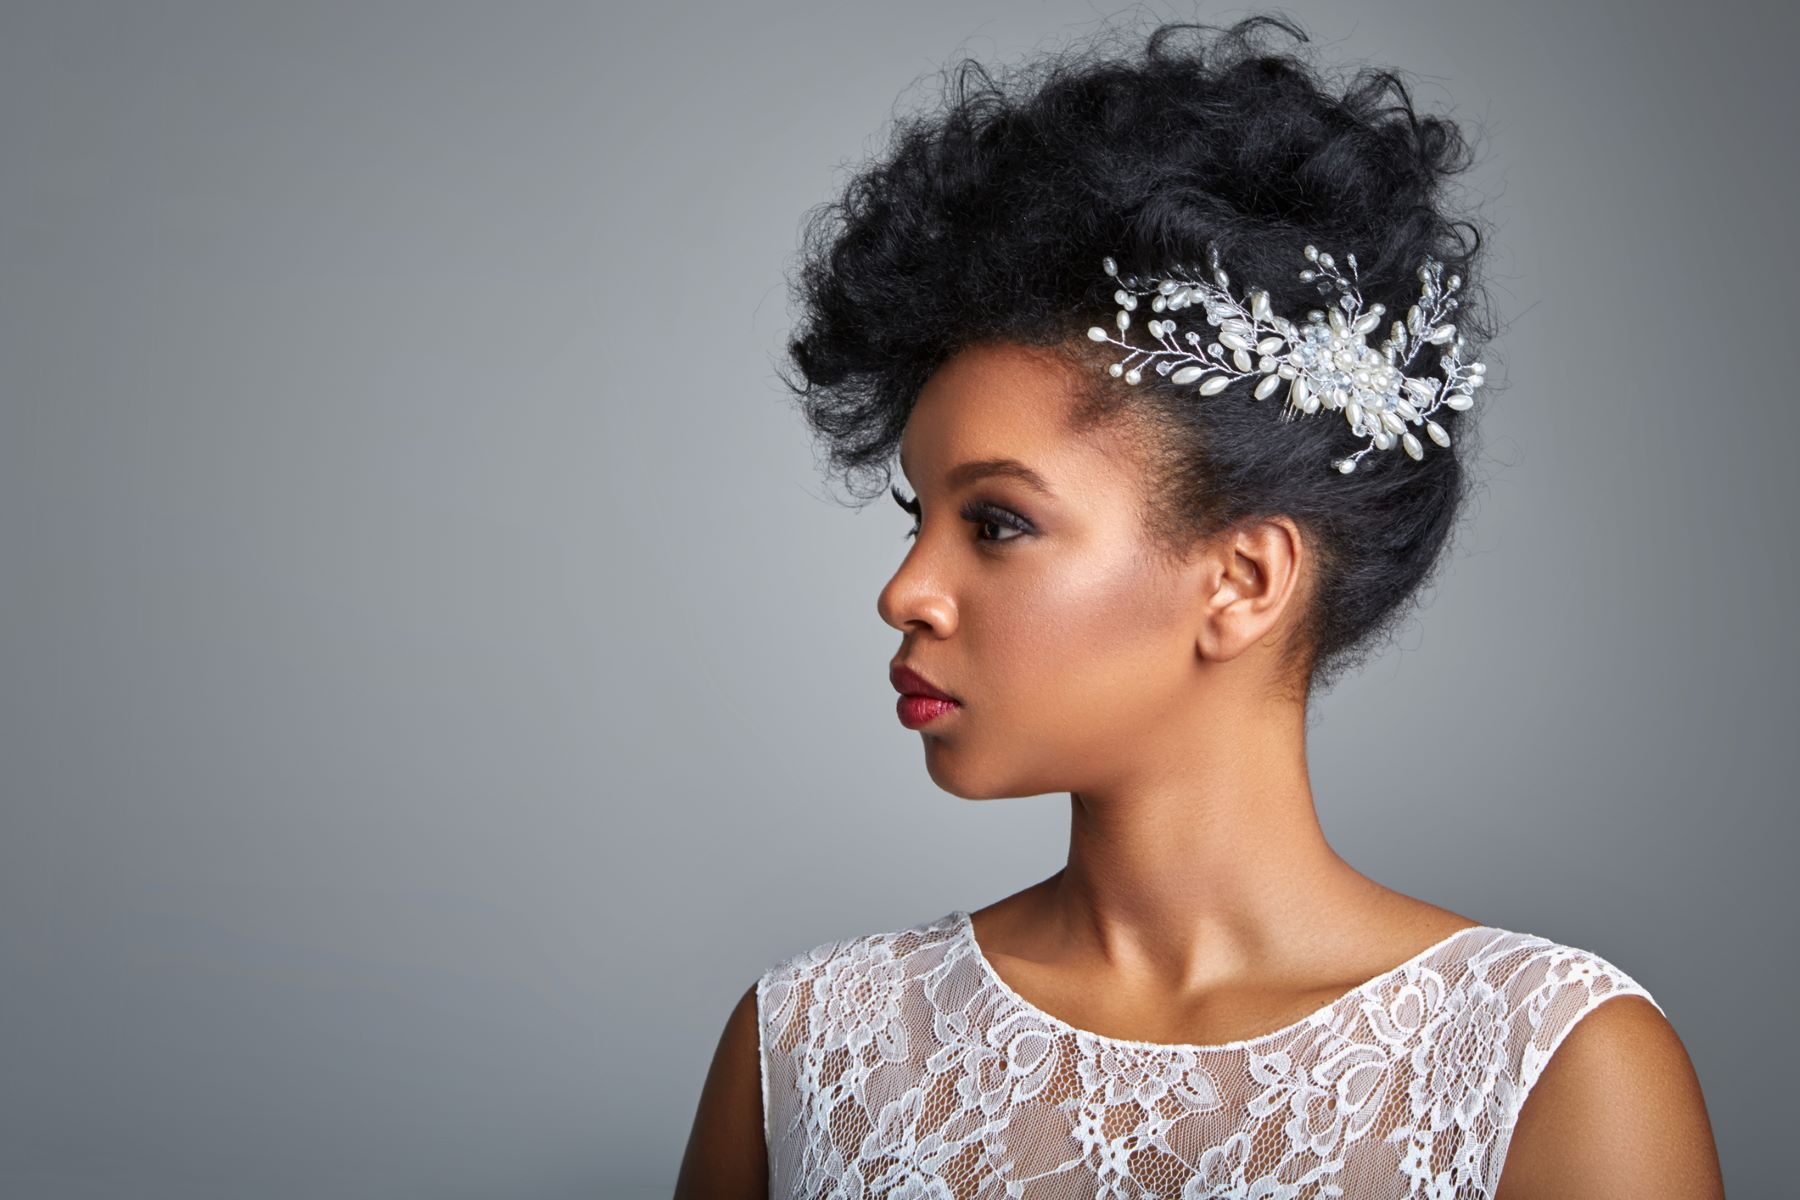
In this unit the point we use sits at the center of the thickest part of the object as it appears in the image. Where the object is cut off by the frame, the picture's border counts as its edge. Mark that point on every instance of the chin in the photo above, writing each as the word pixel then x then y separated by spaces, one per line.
pixel 956 774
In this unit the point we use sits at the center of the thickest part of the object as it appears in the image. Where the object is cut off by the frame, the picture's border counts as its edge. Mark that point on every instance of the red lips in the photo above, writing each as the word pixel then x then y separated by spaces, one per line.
pixel 909 682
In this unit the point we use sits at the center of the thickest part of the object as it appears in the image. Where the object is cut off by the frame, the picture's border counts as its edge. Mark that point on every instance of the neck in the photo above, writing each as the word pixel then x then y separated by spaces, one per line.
pixel 1206 870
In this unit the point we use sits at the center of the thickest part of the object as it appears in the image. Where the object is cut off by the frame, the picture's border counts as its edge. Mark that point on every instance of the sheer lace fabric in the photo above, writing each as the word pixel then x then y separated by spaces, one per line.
pixel 900 1065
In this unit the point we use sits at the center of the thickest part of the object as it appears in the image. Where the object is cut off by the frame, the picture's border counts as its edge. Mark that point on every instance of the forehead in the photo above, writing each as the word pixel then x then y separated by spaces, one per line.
pixel 994 400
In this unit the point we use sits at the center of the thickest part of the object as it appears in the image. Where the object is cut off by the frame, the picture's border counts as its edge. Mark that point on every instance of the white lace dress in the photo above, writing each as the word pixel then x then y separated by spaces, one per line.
pixel 899 1065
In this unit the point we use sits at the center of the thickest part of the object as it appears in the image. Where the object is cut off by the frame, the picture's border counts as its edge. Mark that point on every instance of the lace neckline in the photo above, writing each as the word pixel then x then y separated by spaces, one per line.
pixel 966 930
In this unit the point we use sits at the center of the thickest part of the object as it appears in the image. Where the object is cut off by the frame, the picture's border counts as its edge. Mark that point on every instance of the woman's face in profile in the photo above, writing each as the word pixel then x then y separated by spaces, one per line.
pixel 1068 642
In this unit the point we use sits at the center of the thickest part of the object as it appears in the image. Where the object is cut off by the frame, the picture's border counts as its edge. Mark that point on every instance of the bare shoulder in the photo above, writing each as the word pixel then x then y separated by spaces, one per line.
pixel 1618 1112
pixel 726 1155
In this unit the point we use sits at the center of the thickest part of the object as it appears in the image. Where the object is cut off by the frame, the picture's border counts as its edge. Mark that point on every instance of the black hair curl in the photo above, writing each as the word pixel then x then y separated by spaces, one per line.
pixel 988 220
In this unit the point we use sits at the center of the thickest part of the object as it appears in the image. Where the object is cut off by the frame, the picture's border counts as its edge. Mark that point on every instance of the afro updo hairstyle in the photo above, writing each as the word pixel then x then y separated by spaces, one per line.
pixel 988 220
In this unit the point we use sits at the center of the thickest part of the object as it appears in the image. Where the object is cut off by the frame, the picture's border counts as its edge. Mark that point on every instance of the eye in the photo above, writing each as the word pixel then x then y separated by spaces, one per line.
pixel 977 512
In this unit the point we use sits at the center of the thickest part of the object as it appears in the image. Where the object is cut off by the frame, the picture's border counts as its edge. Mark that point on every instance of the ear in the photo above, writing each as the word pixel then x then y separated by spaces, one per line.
pixel 1249 576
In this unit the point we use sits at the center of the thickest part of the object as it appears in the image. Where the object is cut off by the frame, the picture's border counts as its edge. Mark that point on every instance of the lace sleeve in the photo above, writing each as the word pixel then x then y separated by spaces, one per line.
pixel 781 1033
pixel 762 1058
pixel 1564 984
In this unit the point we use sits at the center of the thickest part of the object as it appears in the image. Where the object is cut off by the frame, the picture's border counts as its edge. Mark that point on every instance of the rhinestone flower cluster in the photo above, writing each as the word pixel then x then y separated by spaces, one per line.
pixel 1325 363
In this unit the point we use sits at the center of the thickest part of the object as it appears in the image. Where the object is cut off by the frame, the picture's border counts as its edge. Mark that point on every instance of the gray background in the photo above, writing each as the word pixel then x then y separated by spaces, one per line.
pixel 438 680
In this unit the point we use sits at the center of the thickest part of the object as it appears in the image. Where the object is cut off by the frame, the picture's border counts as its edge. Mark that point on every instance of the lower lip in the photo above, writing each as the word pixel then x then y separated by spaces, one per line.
pixel 916 711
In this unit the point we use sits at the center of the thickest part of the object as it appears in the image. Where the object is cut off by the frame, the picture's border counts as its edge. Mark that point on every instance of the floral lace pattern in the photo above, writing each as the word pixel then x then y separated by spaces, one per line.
pixel 899 1065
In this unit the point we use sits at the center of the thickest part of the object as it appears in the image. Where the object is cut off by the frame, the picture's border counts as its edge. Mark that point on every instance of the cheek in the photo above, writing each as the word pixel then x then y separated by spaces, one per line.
pixel 1107 635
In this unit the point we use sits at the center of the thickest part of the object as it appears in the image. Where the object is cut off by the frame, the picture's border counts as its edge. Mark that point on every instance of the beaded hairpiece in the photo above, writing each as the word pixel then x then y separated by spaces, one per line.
pixel 1327 363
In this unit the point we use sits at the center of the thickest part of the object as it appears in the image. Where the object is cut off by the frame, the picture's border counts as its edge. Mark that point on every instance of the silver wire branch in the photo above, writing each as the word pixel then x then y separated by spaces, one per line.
pixel 1326 363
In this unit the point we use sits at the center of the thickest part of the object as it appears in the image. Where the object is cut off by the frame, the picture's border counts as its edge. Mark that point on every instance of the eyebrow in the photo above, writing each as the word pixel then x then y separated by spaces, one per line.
pixel 984 468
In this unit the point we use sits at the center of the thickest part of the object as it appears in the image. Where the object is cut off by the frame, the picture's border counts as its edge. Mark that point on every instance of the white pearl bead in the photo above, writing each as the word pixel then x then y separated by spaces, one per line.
pixel 1327 362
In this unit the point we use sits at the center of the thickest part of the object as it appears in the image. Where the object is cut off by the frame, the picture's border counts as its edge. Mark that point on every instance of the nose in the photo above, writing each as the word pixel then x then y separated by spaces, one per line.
pixel 912 600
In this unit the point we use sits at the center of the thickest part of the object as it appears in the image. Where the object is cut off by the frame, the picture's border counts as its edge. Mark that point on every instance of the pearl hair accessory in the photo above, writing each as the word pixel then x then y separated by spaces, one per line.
pixel 1327 363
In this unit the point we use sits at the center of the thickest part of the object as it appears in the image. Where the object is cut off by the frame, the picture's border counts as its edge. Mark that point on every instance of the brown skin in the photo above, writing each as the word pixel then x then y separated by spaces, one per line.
pixel 1201 902
pixel 726 1156
pixel 1616 1115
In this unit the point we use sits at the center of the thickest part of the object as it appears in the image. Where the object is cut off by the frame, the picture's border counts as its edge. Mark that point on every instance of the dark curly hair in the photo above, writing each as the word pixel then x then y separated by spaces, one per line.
pixel 988 220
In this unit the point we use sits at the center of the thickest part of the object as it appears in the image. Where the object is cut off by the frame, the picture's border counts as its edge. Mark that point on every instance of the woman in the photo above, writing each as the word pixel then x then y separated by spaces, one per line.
pixel 1177 356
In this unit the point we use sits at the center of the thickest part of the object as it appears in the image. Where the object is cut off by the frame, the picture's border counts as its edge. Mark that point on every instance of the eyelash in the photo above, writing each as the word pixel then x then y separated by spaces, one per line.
pixel 979 512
